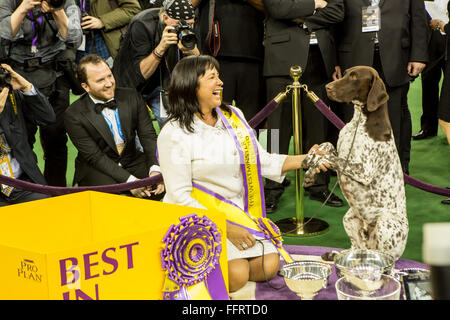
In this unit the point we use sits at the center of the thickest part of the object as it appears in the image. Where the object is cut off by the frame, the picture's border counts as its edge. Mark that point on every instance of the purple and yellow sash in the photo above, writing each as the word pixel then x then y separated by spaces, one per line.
pixel 253 217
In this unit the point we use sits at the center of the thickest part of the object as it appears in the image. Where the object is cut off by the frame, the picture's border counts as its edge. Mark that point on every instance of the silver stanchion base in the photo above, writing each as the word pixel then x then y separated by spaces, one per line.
pixel 290 227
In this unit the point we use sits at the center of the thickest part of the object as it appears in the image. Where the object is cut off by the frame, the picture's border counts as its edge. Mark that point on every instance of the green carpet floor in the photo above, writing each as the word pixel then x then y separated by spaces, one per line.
pixel 430 162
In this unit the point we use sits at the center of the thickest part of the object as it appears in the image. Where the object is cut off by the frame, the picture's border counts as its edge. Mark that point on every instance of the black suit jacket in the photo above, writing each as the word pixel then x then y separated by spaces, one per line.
pixel 402 37
pixel 98 159
pixel 436 46
pixel 36 109
pixel 287 44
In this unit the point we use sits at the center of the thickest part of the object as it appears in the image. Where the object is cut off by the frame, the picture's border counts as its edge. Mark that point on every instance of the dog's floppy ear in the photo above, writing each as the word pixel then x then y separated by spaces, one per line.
pixel 377 95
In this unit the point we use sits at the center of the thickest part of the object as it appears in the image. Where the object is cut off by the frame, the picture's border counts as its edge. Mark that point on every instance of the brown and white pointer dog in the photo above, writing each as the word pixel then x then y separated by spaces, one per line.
pixel 368 166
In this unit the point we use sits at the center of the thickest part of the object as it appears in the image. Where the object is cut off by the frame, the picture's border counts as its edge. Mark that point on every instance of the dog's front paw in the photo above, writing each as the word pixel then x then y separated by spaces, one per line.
pixel 309 178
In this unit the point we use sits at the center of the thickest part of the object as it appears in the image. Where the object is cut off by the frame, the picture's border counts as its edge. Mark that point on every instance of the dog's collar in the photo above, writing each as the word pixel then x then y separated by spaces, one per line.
pixel 358 103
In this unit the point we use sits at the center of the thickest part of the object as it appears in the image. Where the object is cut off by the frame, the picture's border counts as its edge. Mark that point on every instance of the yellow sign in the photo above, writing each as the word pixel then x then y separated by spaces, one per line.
pixel 90 245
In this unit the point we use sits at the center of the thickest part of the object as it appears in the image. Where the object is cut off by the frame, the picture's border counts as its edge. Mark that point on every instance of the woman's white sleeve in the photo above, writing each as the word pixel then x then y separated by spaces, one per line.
pixel 174 149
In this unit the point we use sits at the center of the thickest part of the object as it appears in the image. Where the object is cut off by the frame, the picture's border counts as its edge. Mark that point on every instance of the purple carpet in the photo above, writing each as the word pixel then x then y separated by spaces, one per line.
pixel 265 292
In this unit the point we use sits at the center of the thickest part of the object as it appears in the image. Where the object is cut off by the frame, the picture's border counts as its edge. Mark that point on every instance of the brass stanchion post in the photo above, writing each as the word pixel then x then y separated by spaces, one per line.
pixel 296 226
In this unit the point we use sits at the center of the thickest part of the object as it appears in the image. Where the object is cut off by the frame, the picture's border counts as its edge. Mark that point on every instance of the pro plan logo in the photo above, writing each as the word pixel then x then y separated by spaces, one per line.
pixel 29 270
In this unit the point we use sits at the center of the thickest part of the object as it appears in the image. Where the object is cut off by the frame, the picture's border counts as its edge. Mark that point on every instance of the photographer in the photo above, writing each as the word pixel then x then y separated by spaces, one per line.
pixel 155 41
pixel 19 101
pixel 103 24
pixel 38 36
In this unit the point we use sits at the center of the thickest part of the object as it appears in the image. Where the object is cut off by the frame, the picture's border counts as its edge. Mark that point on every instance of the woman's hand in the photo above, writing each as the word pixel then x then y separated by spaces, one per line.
pixel 295 162
pixel 322 165
pixel 240 237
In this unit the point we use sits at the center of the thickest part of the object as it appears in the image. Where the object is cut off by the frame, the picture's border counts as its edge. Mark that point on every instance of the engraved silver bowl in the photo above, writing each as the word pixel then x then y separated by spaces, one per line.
pixel 361 260
pixel 306 278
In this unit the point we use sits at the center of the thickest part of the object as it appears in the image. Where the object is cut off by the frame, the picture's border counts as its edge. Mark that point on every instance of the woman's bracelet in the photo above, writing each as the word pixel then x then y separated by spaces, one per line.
pixel 157 55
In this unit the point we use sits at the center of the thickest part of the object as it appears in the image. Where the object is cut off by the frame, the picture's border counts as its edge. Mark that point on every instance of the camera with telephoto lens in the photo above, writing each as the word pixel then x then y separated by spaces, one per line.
pixel 56 4
pixel 186 34
pixel 5 79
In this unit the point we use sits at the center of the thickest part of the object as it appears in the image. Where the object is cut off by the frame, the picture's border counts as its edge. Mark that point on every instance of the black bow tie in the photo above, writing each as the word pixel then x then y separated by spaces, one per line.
pixel 110 104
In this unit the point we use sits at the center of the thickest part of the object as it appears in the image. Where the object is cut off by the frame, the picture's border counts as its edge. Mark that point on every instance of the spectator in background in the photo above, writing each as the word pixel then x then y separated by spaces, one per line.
pixel 396 46
pixel 444 103
pixel 235 38
pixel 102 125
pixel 299 33
pixel 150 50
pixel 431 78
pixel 20 100
pixel 104 23
pixel 38 37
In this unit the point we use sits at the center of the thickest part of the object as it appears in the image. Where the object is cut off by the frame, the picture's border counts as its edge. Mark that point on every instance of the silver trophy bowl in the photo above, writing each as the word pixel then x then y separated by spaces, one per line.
pixel 385 287
pixel 362 261
pixel 306 278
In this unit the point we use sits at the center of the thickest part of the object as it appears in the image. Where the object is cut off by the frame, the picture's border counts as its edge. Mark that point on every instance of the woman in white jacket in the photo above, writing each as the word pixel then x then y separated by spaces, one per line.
pixel 207 150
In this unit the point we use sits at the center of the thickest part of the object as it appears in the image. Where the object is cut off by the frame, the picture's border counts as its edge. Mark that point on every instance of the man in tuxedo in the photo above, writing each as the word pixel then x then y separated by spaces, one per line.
pixel 20 100
pixel 395 44
pixel 299 33
pixel 103 124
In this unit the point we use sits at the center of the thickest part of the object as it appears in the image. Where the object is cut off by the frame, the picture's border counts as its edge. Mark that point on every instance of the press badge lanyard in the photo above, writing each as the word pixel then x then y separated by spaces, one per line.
pixel 371 18
pixel 13 103
pixel 83 5
pixel 312 37
pixel 35 32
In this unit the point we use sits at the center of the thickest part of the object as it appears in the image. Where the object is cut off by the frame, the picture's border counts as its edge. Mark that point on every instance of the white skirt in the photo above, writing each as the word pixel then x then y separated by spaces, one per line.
pixel 256 251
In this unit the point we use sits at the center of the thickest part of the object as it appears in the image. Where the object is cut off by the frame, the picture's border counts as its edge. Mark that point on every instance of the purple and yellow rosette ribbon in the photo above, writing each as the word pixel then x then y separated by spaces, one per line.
pixel 272 232
pixel 190 256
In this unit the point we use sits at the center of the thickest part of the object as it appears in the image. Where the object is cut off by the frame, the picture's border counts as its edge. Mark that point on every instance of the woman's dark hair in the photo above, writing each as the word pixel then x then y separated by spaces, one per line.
pixel 182 91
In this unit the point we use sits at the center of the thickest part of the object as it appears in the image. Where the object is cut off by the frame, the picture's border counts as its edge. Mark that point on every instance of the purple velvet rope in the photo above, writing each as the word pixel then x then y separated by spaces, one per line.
pixel 58 191
pixel 264 113
pixel 255 121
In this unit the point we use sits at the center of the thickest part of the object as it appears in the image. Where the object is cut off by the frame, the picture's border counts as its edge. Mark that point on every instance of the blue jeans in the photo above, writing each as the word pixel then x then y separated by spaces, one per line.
pixel 153 101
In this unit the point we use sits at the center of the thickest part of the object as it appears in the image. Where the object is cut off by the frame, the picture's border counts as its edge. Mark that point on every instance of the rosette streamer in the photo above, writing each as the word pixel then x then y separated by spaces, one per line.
pixel 190 256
